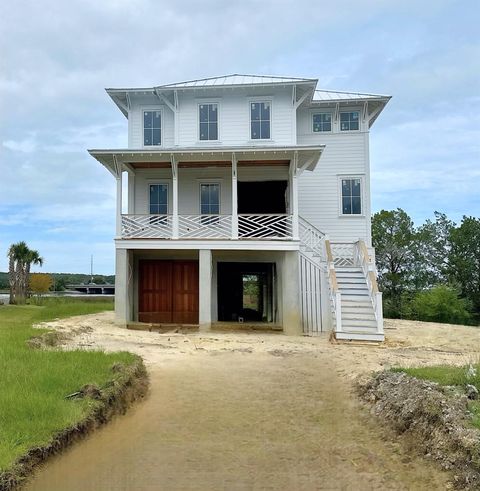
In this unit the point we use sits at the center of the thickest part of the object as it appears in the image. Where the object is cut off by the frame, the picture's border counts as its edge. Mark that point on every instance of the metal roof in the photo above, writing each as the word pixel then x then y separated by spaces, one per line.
pixel 332 95
pixel 238 79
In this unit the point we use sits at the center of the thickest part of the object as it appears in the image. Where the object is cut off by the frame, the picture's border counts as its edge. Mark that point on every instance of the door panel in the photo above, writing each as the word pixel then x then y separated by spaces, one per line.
pixel 155 291
pixel 185 292
pixel 168 292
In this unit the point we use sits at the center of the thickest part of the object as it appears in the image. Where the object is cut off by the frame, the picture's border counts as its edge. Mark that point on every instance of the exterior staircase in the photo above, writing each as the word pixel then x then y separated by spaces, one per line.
pixel 348 267
pixel 358 316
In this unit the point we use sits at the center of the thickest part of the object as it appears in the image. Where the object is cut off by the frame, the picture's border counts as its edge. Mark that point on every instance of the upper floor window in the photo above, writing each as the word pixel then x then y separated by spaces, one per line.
pixel 322 122
pixel 260 119
pixel 349 121
pixel 210 199
pixel 208 115
pixel 351 196
pixel 152 128
pixel 158 199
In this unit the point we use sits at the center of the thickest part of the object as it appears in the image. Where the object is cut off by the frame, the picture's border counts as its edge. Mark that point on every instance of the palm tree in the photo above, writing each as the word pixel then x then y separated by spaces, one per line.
pixel 20 260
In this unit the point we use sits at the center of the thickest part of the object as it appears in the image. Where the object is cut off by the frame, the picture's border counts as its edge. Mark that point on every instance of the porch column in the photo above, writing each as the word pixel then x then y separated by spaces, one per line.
pixel 290 296
pixel 294 195
pixel 174 198
pixel 234 198
pixel 205 288
pixel 131 193
pixel 119 204
pixel 123 287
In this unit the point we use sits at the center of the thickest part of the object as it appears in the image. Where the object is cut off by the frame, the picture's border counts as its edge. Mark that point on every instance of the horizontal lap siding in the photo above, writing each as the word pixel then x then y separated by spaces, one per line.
pixel 319 201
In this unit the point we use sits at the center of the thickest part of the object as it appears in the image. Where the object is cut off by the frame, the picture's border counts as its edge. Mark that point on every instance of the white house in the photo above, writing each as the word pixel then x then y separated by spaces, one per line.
pixel 248 201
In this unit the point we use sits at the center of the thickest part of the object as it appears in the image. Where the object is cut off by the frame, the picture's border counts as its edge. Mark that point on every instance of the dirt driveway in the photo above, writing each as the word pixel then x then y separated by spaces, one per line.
pixel 238 411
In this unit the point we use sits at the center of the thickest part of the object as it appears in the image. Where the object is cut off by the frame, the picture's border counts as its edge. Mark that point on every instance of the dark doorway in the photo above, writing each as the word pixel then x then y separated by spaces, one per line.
pixel 245 292
pixel 262 197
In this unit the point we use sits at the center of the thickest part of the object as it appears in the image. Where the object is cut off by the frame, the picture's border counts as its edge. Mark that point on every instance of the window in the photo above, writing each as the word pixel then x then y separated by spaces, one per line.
pixel 322 122
pixel 351 196
pixel 209 199
pixel 208 115
pixel 349 121
pixel 152 128
pixel 260 116
pixel 158 199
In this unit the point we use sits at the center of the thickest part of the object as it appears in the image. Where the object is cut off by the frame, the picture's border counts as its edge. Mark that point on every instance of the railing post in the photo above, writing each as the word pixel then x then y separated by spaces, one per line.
pixel 379 308
pixel 234 198
pixel 338 311
pixel 174 198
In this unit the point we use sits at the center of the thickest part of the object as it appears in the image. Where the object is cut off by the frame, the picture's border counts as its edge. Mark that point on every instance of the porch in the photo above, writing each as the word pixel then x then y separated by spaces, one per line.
pixel 209 193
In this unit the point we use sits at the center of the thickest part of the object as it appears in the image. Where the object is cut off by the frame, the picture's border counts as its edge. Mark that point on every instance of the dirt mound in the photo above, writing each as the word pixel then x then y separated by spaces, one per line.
pixel 434 420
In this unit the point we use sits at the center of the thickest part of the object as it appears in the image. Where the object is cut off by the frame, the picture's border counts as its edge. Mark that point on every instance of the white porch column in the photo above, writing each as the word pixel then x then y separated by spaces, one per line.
pixel 290 296
pixel 119 205
pixel 294 195
pixel 123 287
pixel 234 198
pixel 205 288
pixel 174 198
pixel 131 193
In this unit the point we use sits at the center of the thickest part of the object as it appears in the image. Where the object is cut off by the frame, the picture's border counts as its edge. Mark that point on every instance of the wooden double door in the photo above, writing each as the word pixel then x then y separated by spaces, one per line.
pixel 168 292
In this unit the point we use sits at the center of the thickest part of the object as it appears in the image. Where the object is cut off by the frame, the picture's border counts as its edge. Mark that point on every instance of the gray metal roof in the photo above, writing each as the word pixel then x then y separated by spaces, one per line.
pixel 237 79
pixel 332 95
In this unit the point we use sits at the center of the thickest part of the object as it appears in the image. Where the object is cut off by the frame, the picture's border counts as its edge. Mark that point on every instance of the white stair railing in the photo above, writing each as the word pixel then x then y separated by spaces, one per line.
pixel 311 238
pixel 364 259
pixel 335 294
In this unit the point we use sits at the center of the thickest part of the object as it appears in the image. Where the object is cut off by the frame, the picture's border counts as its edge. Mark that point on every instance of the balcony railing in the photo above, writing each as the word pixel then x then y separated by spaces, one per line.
pixel 249 227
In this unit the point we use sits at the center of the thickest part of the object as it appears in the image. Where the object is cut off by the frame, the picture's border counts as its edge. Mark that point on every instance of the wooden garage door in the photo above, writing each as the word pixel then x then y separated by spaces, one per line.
pixel 168 292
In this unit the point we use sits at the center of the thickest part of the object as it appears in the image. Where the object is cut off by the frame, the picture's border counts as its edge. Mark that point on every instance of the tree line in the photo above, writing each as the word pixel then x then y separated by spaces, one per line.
pixel 430 272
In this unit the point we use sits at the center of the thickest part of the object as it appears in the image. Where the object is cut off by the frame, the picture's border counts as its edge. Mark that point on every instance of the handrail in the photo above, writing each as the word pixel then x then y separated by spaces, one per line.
pixel 369 271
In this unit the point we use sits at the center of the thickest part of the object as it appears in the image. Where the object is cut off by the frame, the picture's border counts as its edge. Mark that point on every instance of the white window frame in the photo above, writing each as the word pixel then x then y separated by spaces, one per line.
pixel 209 181
pixel 152 183
pixel 258 99
pixel 162 122
pixel 340 178
pixel 340 112
pixel 313 113
pixel 219 109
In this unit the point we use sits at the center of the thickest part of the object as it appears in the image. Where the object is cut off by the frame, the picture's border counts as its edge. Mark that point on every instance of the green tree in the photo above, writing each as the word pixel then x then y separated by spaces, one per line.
pixel 20 259
pixel 464 259
pixel 441 304
pixel 433 248
pixel 394 236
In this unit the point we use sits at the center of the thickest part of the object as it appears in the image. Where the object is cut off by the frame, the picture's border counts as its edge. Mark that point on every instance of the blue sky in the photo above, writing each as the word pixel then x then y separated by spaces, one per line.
pixel 56 58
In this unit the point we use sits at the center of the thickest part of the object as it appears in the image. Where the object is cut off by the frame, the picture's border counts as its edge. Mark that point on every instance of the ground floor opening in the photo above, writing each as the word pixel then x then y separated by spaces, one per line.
pixel 246 292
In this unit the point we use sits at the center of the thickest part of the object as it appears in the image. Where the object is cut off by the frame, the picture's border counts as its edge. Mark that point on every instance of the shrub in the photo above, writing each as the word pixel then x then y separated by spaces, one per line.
pixel 441 304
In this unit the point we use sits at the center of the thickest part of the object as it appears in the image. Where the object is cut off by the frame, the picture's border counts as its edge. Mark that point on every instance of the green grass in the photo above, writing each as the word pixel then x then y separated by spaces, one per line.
pixel 34 383
pixel 451 375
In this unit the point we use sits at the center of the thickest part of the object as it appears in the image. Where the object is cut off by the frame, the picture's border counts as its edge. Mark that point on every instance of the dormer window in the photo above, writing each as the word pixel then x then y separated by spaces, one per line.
pixel 260 119
pixel 208 117
pixel 152 128
pixel 322 122
pixel 349 121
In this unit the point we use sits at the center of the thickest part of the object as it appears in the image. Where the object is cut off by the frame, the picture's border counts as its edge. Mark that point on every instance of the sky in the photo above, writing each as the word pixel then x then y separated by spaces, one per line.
pixel 56 57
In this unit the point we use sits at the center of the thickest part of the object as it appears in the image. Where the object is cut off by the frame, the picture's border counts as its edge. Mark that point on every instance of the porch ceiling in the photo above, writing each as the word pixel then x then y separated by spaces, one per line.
pixel 127 159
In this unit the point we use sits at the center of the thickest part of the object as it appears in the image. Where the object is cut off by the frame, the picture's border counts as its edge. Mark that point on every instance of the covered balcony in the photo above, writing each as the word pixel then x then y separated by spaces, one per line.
pixel 209 193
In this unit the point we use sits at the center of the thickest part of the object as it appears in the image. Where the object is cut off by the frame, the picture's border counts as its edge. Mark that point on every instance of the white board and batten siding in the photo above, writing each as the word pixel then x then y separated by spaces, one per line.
pixel 345 154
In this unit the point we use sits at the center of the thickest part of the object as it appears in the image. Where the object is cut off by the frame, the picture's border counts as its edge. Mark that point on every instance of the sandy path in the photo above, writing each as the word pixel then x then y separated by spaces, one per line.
pixel 251 411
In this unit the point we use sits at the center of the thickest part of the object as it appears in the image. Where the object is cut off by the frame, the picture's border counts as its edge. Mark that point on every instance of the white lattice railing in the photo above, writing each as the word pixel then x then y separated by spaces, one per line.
pixel 344 253
pixel 205 226
pixel 264 226
pixel 311 238
pixel 146 226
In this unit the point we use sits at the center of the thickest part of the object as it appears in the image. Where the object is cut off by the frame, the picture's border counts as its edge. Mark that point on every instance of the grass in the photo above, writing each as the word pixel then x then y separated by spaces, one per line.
pixel 34 383
pixel 451 375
